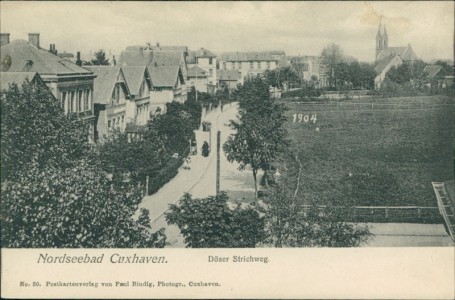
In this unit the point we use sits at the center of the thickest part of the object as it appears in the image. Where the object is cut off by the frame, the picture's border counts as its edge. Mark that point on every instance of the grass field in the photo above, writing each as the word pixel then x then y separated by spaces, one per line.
pixel 367 155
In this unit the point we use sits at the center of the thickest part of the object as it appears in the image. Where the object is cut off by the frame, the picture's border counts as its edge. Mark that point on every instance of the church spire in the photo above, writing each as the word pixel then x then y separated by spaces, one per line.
pixel 381 36
pixel 385 38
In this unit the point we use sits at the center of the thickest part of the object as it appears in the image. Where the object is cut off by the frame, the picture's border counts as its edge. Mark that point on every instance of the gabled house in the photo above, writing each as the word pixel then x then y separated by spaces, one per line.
pixel 205 60
pixel 156 56
pixel 67 81
pixel 111 97
pixel 197 78
pixel 167 82
pixel 140 85
pixel 436 76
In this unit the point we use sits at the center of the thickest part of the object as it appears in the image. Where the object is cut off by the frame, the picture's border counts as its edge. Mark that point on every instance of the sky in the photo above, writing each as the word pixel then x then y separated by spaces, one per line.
pixel 298 28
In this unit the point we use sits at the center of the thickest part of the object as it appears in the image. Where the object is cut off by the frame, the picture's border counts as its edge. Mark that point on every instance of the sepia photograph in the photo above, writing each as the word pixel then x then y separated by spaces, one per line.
pixel 134 132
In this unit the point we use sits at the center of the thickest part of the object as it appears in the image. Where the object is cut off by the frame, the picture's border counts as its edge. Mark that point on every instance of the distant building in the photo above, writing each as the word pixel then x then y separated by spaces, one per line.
pixel 197 78
pixel 111 97
pixel 249 63
pixel 205 60
pixel 436 76
pixel 229 78
pixel 157 56
pixel 308 66
pixel 70 83
pixel 388 57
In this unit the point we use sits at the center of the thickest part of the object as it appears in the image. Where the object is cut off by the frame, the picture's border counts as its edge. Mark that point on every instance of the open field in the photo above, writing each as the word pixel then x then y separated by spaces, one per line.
pixel 373 155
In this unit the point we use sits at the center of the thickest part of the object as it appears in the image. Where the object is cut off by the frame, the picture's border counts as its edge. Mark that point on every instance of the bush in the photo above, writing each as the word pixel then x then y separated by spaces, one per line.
pixel 163 176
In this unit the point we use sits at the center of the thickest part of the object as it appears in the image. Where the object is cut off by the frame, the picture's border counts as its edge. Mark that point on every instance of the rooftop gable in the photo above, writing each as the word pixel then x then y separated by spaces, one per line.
pixel 165 76
pixel 196 72
pixel 106 78
pixel 432 71
pixel 134 77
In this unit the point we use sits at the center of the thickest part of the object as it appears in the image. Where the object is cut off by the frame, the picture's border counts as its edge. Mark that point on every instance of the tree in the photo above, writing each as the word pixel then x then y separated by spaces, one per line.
pixel 72 208
pixel 259 135
pixel 35 130
pixel 290 224
pixel 281 78
pixel 100 58
pixel 447 68
pixel 175 127
pixel 332 55
pixel 210 223
pixel 136 157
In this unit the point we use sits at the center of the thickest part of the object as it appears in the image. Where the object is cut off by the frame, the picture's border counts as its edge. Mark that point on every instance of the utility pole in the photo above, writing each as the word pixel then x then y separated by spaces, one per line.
pixel 218 146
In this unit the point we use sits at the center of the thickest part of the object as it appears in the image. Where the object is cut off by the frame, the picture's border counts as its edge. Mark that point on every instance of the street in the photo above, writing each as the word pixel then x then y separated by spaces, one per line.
pixel 200 179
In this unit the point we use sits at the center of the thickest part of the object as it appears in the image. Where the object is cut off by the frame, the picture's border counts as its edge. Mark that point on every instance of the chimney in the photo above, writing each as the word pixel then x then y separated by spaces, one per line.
pixel 157 44
pixel 78 59
pixel 114 62
pixel 33 38
pixel 53 49
pixel 50 48
pixel 4 39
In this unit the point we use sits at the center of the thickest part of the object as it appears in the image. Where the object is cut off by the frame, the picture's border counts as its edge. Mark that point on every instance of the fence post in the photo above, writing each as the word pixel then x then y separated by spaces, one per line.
pixel 386 213
pixel 419 213
pixel 147 185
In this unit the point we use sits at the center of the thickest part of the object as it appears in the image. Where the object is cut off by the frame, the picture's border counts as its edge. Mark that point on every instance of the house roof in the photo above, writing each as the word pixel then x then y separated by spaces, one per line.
pixel 248 56
pixel 146 57
pixel 164 76
pixel 434 70
pixel 106 77
pixel 196 72
pixel 134 77
pixel 8 78
pixel 405 53
pixel 166 58
pixel 26 57
pixel 382 64
pixel 135 57
pixel 226 75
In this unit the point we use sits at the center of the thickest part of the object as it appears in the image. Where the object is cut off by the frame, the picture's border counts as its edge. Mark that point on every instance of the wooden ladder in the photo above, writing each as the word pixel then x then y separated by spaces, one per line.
pixel 446 207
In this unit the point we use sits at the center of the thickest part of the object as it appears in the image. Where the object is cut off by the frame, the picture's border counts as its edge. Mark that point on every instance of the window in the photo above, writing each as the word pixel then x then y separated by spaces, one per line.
pixel 259 64
pixel 89 99
pixel 268 65
pixel 210 72
pixel 115 94
pixel 251 65
pixel 224 65
pixel 108 125
pixel 232 65
pixel 210 60
pixel 240 65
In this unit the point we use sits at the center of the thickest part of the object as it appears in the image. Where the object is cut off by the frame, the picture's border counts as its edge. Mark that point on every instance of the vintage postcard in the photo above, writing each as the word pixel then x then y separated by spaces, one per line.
pixel 227 149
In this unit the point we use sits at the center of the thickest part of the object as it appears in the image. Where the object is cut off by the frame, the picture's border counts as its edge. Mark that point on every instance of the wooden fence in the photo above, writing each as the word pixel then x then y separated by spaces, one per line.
pixel 385 214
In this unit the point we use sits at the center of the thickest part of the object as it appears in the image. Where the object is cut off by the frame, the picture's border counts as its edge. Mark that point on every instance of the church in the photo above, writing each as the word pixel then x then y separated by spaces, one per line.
pixel 387 57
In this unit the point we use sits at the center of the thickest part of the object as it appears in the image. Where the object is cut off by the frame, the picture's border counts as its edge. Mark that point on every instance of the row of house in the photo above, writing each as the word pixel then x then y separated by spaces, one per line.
pixel 107 98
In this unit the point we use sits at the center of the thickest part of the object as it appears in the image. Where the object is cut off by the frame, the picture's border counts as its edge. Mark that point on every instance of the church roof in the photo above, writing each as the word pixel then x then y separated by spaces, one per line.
pixel 25 57
pixel 405 53
pixel 383 63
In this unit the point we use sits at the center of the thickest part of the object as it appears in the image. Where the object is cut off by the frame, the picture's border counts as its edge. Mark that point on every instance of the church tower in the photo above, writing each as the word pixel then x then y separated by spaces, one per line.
pixel 382 39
